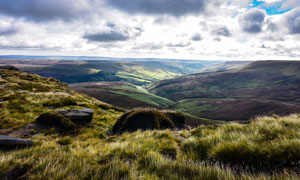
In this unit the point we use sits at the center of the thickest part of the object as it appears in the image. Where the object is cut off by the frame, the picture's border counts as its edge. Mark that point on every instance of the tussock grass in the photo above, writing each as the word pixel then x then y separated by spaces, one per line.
pixel 267 141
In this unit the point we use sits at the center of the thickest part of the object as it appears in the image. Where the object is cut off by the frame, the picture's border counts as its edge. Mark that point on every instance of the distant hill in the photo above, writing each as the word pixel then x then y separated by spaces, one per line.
pixel 260 88
pixel 229 65
pixel 137 71
pixel 281 67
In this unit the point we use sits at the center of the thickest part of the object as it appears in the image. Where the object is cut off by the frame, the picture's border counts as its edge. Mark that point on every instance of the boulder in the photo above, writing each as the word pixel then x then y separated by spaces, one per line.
pixel 143 119
pixel 78 116
pixel 9 67
pixel 10 142
pixel 56 120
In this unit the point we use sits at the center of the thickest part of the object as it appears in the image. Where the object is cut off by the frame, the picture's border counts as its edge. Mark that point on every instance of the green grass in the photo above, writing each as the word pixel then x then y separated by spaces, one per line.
pixel 23 105
pixel 160 155
pixel 267 141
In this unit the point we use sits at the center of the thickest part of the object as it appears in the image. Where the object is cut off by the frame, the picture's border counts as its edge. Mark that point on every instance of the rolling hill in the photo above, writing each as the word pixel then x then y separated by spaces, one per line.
pixel 260 88
pixel 138 72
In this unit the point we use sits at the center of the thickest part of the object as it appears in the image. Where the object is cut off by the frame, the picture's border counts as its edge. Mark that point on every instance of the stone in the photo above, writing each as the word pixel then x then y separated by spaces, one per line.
pixel 78 116
pixel 10 142
pixel 9 67
pixel 62 93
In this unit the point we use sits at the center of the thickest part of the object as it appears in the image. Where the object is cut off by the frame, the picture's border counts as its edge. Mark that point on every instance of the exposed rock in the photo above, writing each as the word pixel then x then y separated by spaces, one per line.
pixel 78 116
pixel 143 119
pixel 62 93
pixel 10 142
pixel 104 112
pixel 9 67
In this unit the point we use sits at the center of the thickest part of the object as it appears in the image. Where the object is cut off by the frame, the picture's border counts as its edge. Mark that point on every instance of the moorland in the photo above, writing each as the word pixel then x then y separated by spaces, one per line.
pixel 248 121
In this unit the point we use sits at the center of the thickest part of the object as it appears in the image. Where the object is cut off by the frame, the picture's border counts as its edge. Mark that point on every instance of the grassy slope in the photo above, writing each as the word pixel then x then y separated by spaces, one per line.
pixel 261 88
pixel 25 96
pixel 121 94
pixel 93 154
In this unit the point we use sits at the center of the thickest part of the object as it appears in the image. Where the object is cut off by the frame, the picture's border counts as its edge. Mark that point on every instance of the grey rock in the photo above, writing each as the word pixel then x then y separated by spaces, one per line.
pixel 9 67
pixel 10 142
pixel 62 93
pixel 78 116
pixel 50 107
pixel 105 112
pixel 179 137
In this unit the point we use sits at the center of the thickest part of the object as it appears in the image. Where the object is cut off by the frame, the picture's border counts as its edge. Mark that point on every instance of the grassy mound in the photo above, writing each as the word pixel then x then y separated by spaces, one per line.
pixel 143 119
pixel 56 120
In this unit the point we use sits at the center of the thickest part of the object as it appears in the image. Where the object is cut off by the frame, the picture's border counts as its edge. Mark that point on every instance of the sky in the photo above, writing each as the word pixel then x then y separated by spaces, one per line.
pixel 180 29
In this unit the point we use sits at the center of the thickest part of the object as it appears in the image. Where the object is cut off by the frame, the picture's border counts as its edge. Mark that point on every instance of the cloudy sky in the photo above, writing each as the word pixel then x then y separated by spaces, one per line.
pixel 181 29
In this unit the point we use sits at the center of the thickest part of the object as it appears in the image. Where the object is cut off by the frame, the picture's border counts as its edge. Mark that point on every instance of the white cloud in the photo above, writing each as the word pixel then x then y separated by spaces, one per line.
pixel 190 36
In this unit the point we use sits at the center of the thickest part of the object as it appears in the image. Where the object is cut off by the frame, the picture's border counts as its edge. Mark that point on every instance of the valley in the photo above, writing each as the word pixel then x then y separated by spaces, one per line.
pixel 64 134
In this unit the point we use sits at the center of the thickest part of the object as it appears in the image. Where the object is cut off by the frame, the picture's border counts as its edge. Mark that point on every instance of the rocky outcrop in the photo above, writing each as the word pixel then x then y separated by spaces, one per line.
pixel 78 116
pixel 10 142
pixel 65 120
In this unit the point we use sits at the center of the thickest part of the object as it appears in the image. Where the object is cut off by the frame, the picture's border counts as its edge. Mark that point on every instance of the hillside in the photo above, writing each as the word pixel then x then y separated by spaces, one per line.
pixel 121 94
pixel 24 96
pixel 260 88
pixel 138 72
pixel 229 151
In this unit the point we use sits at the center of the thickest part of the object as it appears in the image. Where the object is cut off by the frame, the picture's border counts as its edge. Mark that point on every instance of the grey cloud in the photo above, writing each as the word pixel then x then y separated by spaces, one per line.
pixel 8 31
pixel 149 46
pixel 222 31
pixel 252 21
pixel 180 44
pixel 196 37
pixel 43 10
pixel 272 27
pixel 158 7
pixel 111 36
pixel 217 39
pixel 293 21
